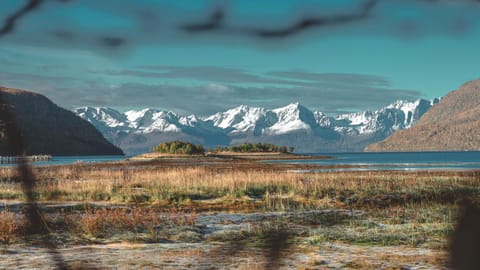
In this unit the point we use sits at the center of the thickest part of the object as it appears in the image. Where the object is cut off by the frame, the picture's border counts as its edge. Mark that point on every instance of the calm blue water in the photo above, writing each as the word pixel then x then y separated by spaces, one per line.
pixel 397 161
pixel 358 161
pixel 64 160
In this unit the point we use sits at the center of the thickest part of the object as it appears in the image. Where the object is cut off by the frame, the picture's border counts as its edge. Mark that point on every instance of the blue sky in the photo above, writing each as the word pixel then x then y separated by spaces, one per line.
pixel 145 54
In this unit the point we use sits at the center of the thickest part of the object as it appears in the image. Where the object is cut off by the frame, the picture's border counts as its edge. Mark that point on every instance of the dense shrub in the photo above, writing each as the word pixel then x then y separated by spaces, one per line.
pixel 105 222
pixel 178 147
pixel 9 227
pixel 255 147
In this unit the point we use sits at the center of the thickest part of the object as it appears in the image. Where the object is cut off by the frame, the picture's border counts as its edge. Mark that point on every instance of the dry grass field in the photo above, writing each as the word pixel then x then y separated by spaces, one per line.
pixel 234 212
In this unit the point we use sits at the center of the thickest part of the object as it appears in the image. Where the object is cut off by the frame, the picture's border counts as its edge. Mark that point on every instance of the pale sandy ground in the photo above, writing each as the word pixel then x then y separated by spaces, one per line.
pixel 216 255
pixel 219 256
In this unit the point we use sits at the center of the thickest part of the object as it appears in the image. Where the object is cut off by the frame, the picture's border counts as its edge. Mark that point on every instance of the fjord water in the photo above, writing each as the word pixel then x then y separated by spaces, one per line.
pixel 466 160
pixel 65 160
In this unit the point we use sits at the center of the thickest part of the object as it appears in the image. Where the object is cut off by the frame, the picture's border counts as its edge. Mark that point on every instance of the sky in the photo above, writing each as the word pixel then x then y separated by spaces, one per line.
pixel 201 57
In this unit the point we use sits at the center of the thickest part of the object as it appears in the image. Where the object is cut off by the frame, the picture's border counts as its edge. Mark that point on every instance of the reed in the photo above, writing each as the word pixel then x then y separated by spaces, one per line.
pixel 154 202
pixel 174 185
pixel 10 224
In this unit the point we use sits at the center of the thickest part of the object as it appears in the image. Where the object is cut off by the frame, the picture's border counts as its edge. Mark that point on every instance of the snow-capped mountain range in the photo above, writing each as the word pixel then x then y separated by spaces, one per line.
pixel 292 125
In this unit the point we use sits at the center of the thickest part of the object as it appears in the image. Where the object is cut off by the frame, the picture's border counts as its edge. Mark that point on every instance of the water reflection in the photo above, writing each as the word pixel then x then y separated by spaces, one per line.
pixel 411 161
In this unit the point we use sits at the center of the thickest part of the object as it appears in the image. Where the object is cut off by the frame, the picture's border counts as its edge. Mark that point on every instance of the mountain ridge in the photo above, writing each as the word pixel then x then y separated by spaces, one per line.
pixel 452 125
pixel 50 129
pixel 292 122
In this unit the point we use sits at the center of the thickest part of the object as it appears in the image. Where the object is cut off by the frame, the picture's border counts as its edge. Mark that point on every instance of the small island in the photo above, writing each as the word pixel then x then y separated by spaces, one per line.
pixel 179 149
pixel 255 148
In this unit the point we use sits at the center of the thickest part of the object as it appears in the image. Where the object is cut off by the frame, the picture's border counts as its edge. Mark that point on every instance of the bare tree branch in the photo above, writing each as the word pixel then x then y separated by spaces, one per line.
pixel 12 20
pixel 216 22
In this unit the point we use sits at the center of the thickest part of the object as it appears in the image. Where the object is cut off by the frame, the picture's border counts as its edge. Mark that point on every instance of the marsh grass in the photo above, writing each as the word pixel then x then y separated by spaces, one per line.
pixel 277 190
pixel 104 223
pixel 429 235
pixel 10 225
pixel 368 229
pixel 136 224
pixel 416 209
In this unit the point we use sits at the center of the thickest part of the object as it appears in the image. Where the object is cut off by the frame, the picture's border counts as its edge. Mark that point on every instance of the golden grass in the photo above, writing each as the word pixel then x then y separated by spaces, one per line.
pixel 147 184
pixel 416 209
pixel 400 209
pixel 10 225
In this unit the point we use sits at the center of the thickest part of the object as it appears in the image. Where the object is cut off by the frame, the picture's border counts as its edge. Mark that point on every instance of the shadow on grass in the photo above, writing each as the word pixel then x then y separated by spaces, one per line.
pixel 465 240
pixel 443 196
pixel 274 240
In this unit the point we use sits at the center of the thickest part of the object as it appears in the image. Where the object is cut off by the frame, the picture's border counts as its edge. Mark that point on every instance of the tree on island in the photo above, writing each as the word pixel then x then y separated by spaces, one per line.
pixel 178 147
pixel 254 148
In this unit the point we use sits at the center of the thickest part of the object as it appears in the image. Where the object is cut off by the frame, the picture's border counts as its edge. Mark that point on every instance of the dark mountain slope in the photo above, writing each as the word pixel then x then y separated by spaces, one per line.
pixel 49 129
pixel 452 124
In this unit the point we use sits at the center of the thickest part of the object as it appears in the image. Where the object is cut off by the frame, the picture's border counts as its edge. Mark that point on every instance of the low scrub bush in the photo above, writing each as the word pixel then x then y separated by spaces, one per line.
pixel 10 225
pixel 106 222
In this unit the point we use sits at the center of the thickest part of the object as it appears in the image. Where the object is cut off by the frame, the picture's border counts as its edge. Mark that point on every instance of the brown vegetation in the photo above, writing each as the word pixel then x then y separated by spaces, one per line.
pixel 187 181
pixel 162 200
pixel 452 124
pixel 47 128
pixel 9 227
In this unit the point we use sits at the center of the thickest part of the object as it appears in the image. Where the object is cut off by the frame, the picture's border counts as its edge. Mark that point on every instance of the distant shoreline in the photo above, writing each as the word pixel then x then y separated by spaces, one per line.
pixel 230 155
pixel 16 159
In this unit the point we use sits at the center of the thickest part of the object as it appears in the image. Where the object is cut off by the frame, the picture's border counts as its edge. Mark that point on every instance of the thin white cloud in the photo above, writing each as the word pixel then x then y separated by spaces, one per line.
pixel 215 88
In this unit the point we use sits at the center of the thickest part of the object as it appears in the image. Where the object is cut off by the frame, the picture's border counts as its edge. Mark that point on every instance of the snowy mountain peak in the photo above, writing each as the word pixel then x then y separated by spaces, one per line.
pixel 242 118
pixel 253 123
pixel 104 117
pixel 292 117
pixel 189 120
pixel 290 108
pixel 295 104
pixel 398 115
pixel 134 115
pixel 242 107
